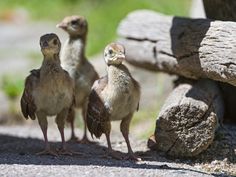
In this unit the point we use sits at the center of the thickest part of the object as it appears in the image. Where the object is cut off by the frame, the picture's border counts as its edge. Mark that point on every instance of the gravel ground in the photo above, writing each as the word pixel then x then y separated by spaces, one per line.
pixel 20 143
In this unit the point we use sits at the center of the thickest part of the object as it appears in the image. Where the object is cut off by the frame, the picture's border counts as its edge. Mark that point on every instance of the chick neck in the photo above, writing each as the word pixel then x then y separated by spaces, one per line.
pixel 51 63
pixel 118 75
pixel 81 41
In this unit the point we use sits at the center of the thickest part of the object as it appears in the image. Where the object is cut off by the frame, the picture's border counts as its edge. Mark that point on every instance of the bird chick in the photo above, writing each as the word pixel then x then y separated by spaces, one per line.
pixel 113 97
pixel 74 61
pixel 48 91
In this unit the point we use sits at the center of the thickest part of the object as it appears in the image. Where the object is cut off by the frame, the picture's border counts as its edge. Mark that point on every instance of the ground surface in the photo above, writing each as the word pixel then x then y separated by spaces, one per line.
pixel 20 143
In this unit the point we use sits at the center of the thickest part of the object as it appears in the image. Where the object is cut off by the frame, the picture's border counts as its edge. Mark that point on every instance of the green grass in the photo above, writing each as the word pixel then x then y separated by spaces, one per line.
pixel 12 86
pixel 103 15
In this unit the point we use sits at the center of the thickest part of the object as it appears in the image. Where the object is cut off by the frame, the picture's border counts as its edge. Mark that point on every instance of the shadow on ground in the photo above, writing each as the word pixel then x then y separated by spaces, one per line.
pixel 17 150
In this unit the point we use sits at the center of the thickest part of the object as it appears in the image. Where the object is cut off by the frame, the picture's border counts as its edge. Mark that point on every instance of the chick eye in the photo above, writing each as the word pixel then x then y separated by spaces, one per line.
pixel 55 42
pixel 74 22
pixel 110 51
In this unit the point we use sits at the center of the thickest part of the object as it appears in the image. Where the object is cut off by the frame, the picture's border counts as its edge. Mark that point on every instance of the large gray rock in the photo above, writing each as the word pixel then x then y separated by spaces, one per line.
pixel 188 120
pixel 193 48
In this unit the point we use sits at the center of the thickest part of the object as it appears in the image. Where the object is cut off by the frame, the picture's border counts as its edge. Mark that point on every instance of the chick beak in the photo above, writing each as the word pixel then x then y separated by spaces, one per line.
pixel 61 25
pixel 121 57
pixel 44 45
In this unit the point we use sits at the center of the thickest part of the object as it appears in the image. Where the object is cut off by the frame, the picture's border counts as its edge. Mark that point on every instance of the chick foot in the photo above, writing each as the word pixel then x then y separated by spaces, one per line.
pixel 114 154
pixel 132 156
pixel 64 151
pixel 47 152
pixel 85 140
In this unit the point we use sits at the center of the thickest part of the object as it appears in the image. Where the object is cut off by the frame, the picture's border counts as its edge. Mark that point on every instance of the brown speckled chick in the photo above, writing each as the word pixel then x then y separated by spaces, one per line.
pixel 74 61
pixel 48 91
pixel 113 97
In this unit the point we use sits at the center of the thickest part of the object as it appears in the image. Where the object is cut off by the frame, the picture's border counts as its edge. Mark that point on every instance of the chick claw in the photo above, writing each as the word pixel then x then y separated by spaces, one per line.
pixel 133 157
pixel 47 152
pixel 64 151
pixel 85 140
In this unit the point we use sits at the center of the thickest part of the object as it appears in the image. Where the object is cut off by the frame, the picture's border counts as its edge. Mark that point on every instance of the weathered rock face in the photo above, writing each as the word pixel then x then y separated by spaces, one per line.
pixel 188 120
pixel 224 10
pixel 192 48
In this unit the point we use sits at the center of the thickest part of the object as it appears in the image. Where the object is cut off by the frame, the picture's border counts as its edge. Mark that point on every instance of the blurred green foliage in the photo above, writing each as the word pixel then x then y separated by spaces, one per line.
pixel 145 118
pixel 12 86
pixel 103 15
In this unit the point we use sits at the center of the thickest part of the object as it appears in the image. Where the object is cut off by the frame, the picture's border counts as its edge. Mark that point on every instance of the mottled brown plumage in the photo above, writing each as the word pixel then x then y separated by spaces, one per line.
pixel 74 61
pixel 114 97
pixel 27 102
pixel 97 115
pixel 48 91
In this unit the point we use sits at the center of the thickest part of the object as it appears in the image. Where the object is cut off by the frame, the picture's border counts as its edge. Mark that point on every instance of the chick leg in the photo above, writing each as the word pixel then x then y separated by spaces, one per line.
pixel 71 120
pixel 85 139
pixel 60 120
pixel 124 127
pixel 111 152
pixel 42 119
